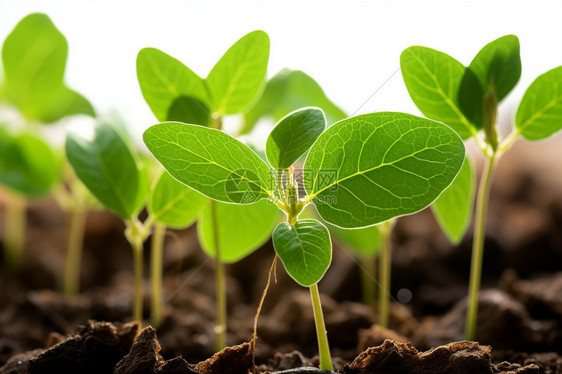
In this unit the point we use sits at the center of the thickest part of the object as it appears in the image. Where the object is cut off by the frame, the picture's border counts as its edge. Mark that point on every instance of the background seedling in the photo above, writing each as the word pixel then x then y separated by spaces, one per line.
pixel 174 92
pixel 289 90
pixel 34 58
pixel 467 98
pixel 382 165
pixel 111 169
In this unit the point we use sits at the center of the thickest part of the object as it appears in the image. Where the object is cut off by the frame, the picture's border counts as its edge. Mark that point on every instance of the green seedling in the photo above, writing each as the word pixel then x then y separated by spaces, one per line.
pixel 467 98
pixel 34 58
pixel 29 168
pixel 111 169
pixel 361 171
pixel 174 92
pixel 287 91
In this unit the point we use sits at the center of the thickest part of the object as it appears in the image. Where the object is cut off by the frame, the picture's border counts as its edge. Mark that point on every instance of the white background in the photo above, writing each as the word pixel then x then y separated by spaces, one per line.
pixel 351 48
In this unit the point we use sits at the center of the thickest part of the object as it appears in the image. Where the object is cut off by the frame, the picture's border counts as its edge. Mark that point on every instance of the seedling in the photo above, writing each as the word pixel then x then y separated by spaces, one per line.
pixel 34 58
pixel 467 98
pixel 283 93
pixel 28 169
pixel 361 171
pixel 174 92
pixel 112 170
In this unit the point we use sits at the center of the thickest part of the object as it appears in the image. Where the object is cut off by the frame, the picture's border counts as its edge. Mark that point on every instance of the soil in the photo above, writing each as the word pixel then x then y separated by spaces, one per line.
pixel 520 315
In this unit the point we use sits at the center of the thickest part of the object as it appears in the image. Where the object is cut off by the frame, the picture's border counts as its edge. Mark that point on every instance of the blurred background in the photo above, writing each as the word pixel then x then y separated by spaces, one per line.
pixel 351 48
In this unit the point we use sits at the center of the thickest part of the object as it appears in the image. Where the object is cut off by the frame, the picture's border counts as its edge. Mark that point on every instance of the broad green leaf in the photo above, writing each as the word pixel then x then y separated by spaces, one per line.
pixel 289 90
pixel 174 204
pixel 498 63
pixel 305 249
pixel 211 162
pixel 540 112
pixel 241 229
pixel 28 164
pixel 163 80
pixel 108 166
pixel 370 168
pixel 64 102
pixel 34 59
pixel 237 77
pixel 365 242
pixel 453 209
pixel 293 136
pixel 433 79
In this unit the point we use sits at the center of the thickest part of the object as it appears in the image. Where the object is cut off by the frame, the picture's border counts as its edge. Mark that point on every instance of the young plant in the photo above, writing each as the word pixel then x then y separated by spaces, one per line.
pixel 361 171
pixel 34 58
pixel 175 93
pixel 467 98
pixel 29 168
pixel 110 168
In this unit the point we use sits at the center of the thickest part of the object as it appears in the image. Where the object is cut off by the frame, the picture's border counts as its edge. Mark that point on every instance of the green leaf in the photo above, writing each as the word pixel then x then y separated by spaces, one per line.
pixel 241 229
pixel 453 209
pixel 540 112
pixel 211 162
pixel 433 79
pixel 65 102
pixel 174 204
pixel 34 58
pixel 189 110
pixel 305 249
pixel 108 167
pixel 293 136
pixel 364 242
pixel 28 164
pixel 287 91
pixel 370 168
pixel 237 77
pixel 163 80
pixel 498 63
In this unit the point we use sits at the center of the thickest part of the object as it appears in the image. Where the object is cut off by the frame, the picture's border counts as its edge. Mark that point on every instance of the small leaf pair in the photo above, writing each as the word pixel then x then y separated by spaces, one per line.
pixel 175 92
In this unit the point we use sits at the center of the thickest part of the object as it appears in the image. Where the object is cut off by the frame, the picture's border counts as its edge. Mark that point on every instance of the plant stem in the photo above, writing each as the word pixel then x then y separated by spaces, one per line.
pixel 14 230
pixel 384 273
pixel 156 263
pixel 73 263
pixel 220 327
pixel 321 333
pixel 136 244
pixel 368 286
pixel 478 247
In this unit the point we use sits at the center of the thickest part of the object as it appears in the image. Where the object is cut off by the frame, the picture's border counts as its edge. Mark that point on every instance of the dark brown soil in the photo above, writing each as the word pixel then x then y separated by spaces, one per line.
pixel 520 306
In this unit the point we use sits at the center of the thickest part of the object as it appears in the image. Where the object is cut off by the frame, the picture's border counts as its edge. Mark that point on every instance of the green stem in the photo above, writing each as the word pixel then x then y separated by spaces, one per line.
pixel 478 247
pixel 156 263
pixel 321 334
pixel 220 327
pixel 368 286
pixel 14 230
pixel 73 263
pixel 384 272
pixel 136 244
